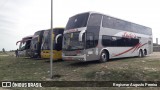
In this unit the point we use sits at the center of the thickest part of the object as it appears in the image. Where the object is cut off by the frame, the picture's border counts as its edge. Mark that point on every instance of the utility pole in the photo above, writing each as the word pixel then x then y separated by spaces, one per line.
pixel 157 41
pixel 51 48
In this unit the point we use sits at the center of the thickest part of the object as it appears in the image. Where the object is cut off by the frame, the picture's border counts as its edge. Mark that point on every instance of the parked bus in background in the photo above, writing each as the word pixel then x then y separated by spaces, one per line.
pixel 24 47
pixel 95 36
pixel 57 43
pixel 36 42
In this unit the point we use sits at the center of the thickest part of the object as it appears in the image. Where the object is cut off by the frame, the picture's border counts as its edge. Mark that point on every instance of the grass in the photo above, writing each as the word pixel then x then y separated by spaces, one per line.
pixel 124 75
pixel 126 69
pixel 22 69
pixel 2 53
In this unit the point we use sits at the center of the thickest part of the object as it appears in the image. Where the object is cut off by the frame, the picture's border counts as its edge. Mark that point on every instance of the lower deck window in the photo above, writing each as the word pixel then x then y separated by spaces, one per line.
pixel 118 41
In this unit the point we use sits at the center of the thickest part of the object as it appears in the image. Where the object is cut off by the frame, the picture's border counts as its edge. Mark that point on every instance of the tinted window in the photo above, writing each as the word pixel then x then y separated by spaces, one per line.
pixel 114 23
pixel 71 42
pixel 118 41
pixel 77 21
pixel 46 40
pixel 90 40
pixel 28 43
pixel 110 22
pixel 120 24
pixel 94 20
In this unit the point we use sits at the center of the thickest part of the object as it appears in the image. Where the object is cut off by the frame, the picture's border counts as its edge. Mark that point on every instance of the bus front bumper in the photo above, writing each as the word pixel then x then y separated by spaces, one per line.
pixel 76 58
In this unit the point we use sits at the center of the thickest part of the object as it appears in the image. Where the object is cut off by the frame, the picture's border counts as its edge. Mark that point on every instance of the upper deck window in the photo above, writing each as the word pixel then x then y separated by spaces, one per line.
pixel 94 20
pixel 114 23
pixel 77 21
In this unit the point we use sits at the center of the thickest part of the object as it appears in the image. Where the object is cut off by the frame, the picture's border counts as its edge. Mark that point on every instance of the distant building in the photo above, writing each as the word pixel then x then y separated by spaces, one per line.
pixel 156 47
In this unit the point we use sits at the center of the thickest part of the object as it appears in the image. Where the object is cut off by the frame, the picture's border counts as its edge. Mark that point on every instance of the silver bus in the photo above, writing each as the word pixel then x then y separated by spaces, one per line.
pixel 94 36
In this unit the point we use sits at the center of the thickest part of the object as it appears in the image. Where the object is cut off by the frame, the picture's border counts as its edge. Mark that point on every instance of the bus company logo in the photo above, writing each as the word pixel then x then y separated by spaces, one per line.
pixel 129 35
pixel 6 84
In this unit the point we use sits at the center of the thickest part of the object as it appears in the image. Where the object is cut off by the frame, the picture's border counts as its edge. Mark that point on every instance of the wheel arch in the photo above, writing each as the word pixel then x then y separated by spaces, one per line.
pixel 106 52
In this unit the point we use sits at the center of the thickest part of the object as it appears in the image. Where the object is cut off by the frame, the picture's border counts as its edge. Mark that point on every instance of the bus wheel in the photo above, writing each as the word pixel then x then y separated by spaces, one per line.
pixel 145 52
pixel 104 57
pixel 141 53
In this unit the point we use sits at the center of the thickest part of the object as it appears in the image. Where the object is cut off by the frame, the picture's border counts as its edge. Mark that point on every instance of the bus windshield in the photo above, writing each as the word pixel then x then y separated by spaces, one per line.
pixel 46 41
pixel 77 21
pixel 71 42
pixel 34 43
pixel 25 45
pixel 22 46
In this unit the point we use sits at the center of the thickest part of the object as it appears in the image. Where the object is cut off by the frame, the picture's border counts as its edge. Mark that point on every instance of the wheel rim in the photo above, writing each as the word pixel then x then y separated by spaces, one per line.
pixel 104 57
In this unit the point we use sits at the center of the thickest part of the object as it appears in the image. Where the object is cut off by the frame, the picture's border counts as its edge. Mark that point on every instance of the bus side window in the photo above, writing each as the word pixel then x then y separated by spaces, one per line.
pixel 106 40
pixel 95 20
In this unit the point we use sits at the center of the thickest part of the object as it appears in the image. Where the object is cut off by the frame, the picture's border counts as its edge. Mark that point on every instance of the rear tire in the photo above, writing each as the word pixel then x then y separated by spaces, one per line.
pixel 145 52
pixel 141 53
pixel 103 57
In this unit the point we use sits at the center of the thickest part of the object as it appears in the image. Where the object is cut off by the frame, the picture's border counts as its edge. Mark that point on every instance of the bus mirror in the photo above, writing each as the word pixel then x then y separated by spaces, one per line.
pixel 81 34
pixel 56 39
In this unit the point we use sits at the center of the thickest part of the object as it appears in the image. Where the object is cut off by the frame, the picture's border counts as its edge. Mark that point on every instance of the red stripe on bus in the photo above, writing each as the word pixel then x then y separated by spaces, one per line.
pixel 135 48
pixel 141 45
pixel 125 51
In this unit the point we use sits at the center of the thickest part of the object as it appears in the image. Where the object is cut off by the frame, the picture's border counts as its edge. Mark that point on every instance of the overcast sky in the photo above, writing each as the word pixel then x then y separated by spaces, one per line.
pixel 19 18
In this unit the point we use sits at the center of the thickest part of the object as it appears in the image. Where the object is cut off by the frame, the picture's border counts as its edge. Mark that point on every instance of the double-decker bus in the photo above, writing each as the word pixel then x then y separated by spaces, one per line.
pixel 95 36
pixel 36 42
pixel 24 47
pixel 57 43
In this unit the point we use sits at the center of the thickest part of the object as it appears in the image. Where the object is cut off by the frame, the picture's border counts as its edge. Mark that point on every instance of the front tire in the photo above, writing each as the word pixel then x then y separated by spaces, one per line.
pixel 103 57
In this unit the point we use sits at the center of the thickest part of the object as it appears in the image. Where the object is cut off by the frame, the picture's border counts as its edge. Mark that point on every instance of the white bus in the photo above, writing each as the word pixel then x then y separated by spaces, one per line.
pixel 95 36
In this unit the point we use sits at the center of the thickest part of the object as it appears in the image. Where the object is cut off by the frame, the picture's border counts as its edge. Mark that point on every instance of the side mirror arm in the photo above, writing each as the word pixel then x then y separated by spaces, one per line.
pixel 81 34
pixel 56 39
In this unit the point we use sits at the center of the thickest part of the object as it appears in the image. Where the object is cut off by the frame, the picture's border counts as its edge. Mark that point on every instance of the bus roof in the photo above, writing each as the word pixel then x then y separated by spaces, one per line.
pixel 57 28
pixel 25 39
pixel 91 12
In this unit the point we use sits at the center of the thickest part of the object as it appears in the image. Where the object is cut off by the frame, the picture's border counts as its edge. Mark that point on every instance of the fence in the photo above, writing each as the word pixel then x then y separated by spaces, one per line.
pixel 156 48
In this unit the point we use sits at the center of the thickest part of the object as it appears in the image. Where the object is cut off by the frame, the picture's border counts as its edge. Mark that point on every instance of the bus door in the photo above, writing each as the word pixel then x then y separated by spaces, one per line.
pixel 93 28
pixel 90 47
